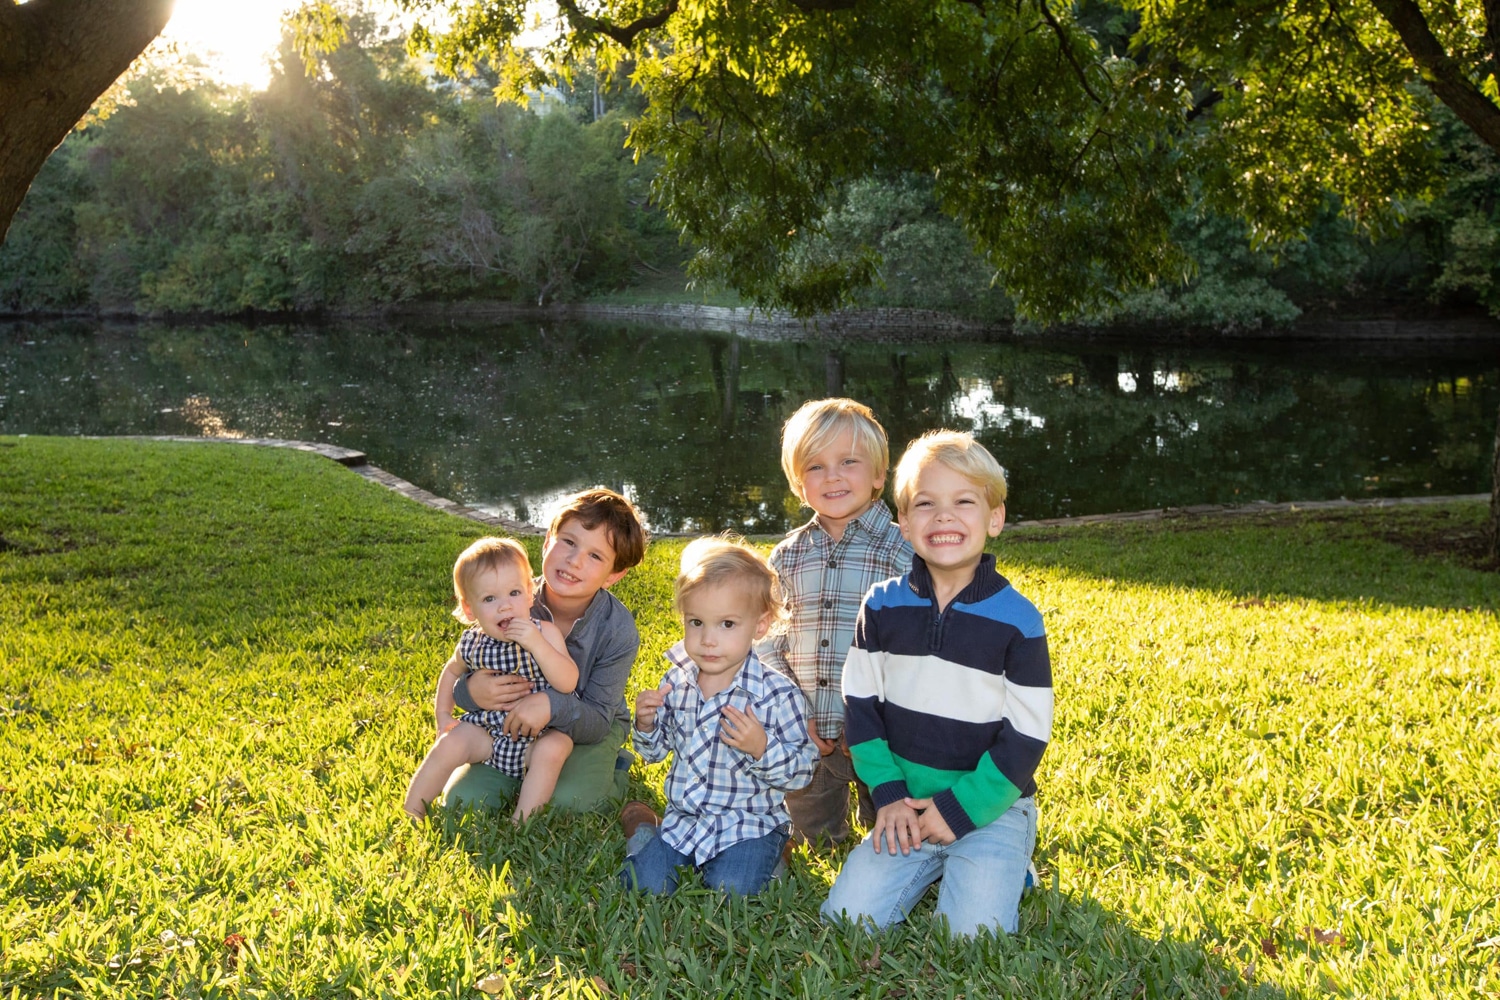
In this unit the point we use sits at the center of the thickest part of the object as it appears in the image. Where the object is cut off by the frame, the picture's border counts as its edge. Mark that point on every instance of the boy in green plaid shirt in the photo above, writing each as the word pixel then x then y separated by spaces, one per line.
pixel 835 456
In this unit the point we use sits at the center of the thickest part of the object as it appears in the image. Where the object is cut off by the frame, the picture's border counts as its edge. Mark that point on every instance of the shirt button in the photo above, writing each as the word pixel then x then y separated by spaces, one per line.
pixel 833 564
pixel 822 682
pixel 824 644
pixel 828 604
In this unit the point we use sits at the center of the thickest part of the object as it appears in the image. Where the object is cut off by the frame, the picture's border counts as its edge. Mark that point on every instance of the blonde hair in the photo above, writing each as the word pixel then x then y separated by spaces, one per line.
pixel 719 560
pixel 815 426
pixel 959 452
pixel 622 523
pixel 484 555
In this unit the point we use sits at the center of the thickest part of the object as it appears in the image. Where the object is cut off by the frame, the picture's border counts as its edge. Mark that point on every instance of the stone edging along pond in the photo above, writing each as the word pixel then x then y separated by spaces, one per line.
pixel 358 462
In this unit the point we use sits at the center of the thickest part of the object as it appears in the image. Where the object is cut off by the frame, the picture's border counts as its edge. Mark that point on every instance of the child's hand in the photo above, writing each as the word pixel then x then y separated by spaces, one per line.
pixel 524 632
pixel 497 692
pixel 647 703
pixel 825 747
pixel 930 823
pixel 742 731
pixel 898 825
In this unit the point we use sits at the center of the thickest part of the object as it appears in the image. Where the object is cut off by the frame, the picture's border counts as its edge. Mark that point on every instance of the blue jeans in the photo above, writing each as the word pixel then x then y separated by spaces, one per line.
pixel 743 868
pixel 982 876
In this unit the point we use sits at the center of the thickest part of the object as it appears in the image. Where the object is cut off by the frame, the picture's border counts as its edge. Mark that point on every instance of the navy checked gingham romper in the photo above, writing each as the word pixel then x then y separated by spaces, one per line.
pixel 480 652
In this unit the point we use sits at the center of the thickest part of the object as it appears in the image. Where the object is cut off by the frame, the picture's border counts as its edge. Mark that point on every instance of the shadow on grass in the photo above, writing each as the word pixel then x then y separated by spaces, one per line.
pixel 562 902
pixel 1406 557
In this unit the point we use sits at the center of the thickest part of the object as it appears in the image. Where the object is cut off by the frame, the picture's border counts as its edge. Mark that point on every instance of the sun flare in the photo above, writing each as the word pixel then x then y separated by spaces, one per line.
pixel 235 39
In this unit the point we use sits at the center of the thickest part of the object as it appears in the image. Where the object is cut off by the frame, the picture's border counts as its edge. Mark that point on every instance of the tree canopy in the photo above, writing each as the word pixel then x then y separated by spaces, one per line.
pixel 1064 138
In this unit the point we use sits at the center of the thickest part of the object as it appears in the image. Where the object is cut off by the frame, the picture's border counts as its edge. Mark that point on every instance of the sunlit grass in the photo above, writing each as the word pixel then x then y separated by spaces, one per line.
pixel 1273 770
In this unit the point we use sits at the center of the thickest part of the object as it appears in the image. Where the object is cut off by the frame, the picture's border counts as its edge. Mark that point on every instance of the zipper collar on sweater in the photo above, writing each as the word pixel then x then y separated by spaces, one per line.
pixel 987 581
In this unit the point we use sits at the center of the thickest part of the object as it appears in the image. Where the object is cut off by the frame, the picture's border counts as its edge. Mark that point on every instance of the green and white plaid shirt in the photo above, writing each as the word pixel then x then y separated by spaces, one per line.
pixel 824 582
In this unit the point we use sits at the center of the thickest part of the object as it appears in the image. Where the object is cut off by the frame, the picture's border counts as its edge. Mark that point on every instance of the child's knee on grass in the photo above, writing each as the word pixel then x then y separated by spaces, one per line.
pixel 464 743
pixel 551 750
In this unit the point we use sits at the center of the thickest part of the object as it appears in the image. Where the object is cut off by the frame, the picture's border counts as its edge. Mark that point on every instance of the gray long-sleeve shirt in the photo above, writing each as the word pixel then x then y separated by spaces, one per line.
pixel 603 643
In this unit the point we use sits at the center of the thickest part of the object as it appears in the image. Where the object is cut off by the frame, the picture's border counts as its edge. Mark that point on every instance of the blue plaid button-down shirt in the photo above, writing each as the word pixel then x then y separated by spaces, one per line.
pixel 717 795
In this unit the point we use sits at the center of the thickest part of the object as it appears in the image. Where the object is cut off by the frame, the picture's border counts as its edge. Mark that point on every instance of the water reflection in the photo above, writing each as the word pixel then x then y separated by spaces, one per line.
pixel 511 417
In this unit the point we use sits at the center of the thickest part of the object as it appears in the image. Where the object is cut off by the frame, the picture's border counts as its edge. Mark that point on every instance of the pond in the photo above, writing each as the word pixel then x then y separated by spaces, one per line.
pixel 510 416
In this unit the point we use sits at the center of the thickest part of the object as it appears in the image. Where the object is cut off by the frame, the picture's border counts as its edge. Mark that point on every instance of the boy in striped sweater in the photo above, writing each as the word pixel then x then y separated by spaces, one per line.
pixel 948 689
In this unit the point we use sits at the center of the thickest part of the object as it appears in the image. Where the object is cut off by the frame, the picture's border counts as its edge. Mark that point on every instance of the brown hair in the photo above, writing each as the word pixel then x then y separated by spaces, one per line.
pixel 485 554
pixel 622 523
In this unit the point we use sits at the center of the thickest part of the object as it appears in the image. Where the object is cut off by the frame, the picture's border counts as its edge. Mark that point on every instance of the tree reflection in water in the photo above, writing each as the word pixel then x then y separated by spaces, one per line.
pixel 512 416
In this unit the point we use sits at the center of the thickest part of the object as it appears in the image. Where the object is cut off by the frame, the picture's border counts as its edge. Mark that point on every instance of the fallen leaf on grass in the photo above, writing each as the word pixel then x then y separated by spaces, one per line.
pixel 1268 947
pixel 234 943
pixel 602 986
pixel 873 962
pixel 628 968
pixel 491 984
pixel 1319 936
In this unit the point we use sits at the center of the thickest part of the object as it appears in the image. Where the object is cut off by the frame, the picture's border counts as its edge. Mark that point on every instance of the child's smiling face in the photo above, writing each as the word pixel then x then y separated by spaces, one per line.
pixel 498 595
pixel 839 482
pixel 577 562
pixel 949 518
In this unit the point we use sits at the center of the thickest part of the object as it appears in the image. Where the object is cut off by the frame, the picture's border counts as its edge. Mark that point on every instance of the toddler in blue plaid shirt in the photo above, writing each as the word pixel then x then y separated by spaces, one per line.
pixel 737 731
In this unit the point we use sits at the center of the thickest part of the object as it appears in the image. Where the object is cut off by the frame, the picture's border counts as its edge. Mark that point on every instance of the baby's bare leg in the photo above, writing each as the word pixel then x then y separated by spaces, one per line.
pixel 548 754
pixel 465 743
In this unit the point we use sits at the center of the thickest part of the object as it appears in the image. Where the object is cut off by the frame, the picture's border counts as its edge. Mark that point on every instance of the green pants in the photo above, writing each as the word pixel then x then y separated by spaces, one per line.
pixel 595 774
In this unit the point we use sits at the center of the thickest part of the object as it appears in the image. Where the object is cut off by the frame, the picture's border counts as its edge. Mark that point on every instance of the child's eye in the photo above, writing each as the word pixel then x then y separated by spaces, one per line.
pixel 694 622
pixel 516 592
pixel 487 599
pixel 814 468
pixel 728 625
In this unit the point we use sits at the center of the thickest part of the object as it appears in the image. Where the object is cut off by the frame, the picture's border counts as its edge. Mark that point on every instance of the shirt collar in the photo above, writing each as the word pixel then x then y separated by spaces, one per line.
pixel 539 587
pixel 987 581
pixel 751 677
pixel 872 521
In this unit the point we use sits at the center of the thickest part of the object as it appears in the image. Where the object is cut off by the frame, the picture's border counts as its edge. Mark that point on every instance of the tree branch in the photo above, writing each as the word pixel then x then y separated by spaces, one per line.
pixel 1492 33
pixel 1067 50
pixel 624 34
pixel 1440 71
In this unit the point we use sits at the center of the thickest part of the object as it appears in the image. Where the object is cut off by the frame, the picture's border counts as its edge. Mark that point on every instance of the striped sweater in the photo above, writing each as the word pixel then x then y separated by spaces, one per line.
pixel 954 706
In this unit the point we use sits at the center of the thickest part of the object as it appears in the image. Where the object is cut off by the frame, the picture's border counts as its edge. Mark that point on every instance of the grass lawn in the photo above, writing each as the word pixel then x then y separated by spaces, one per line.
pixel 1273 773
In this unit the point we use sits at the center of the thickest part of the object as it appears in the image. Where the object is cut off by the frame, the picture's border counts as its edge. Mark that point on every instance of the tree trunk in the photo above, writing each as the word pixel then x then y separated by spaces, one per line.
pixel 56 58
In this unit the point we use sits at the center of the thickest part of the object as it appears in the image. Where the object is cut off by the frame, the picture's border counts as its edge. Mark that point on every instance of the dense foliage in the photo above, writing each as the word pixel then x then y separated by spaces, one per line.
pixel 370 180
pixel 363 182
pixel 1070 141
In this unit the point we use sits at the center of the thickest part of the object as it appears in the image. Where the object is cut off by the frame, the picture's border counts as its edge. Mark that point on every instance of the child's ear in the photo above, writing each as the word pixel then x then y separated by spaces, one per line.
pixel 997 520
pixel 614 578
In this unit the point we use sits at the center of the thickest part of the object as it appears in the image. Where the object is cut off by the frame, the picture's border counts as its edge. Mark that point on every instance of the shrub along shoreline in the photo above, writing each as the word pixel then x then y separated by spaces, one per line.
pixel 1271 775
